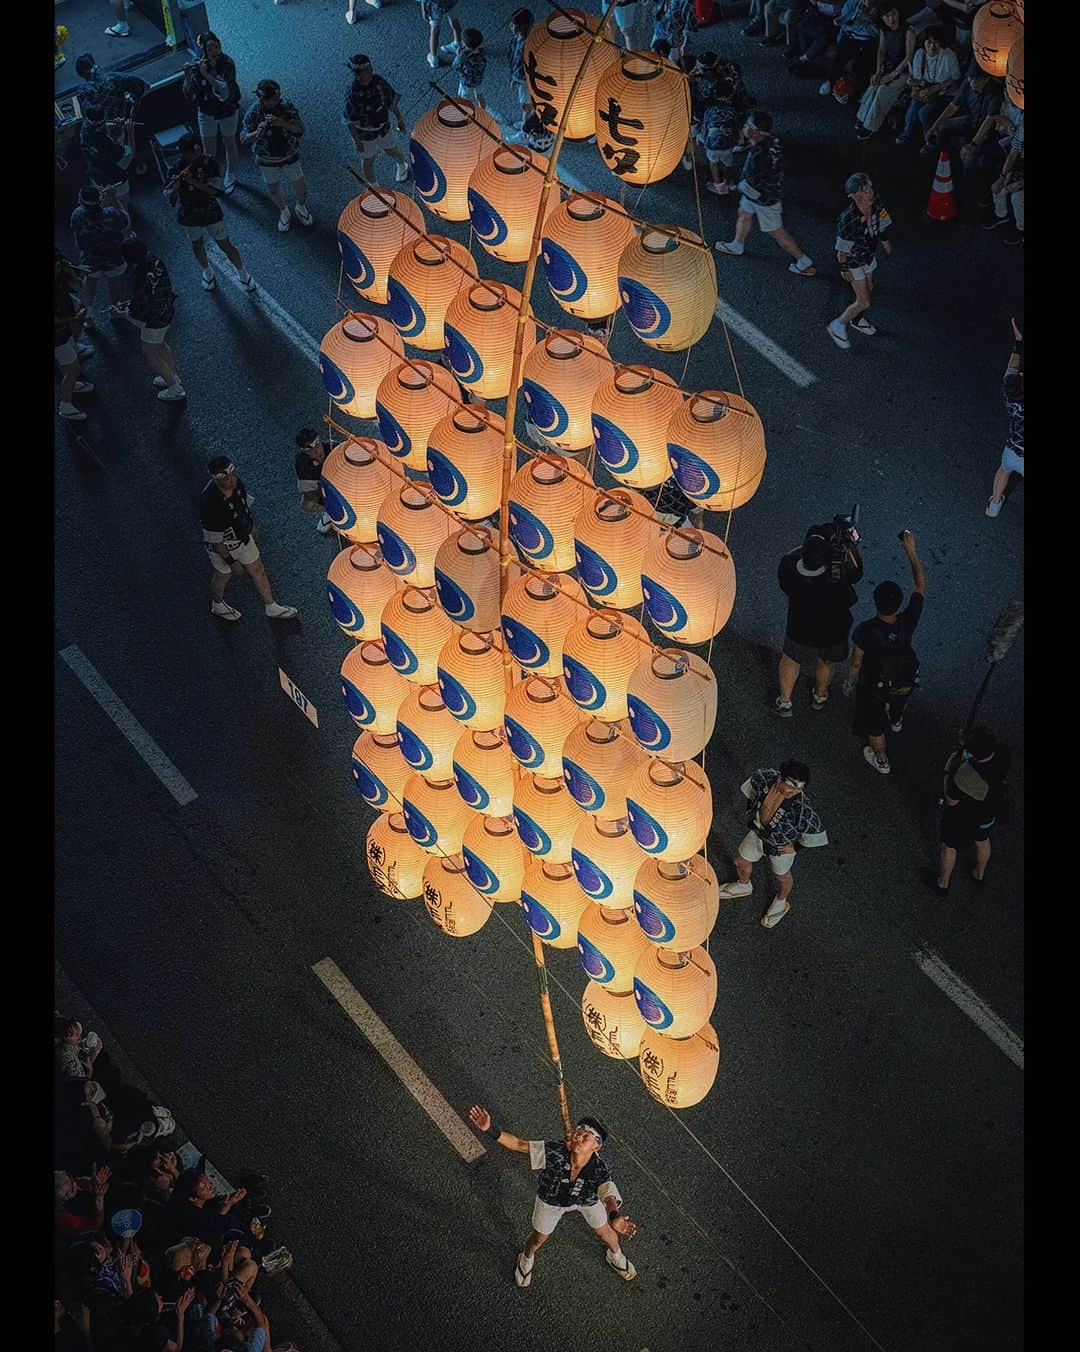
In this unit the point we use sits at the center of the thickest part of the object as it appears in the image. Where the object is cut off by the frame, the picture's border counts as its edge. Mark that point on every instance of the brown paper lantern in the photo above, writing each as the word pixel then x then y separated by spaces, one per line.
pixel 546 817
pixel 996 30
pixel 631 411
pixel 379 771
pixel 544 500
pixel 642 117
pixel 667 287
pixel 679 1071
pixel 353 358
pixel 539 717
pixel 358 588
pixel 411 527
pixel 598 760
pixel 451 900
pixel 472 679
pixel 675 992
pixel 689 585
pixel 536 614
pixel 425 276
pixel 552 902
pixel 611 533
pixel 670 809
pixel 610 944
pixel 370 233
pixel 554 51
pixel 356 476
pixel 394 860
pixel 409 402
pixel 717 447
pixel 612 1021
pixel 1014 75
pixel 605 859
pixel 505 190
pixel 676 905
pixel 479 330
pixel 444 148
pixel 427 732
pixel 559 378
pixel 672 702
pixel 599 655
pixel 464 461
pixel 414 628
pixel 467 579
pixel 372 690
pixel 434 813
pixel 484 772
pixel 494 857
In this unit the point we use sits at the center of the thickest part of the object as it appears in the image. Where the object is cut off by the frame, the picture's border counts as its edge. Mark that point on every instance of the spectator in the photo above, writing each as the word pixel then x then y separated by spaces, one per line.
pixel 369 105
pixel 973 798
pixel 151 310
pixel 884 669
pixel 1008 188
pixel 225 509
pixel 99 236
pixel 257 1339
pixel 107 156
pixel 195 191
pixel 978 98
pixel 788 13
pixel 67 350
pixel 162 1172
pixel 210 84
pixel 311 451
pixel 70 1335
pixel 434 11
pixel 896 44
pixel 671 24
pixel 180 1266
pixel 121 28
pixel 935 73
pixel 521 24
pixel 273 129
pixel 79 1204
pixel 1012 457
pixel 816 33
pixel 470 64
pixel 856 45
pixel 75 1055
pixel 858 232
pixel 761 185
pixel 94 1118
pixel 1008 124
pixel 779 816
pixel 150 1332
pixel 818 616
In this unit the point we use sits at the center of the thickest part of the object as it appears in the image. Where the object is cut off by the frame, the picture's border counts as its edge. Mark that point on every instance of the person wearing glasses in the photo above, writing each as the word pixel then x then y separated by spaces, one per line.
pixel 228 526
pixel 573 1177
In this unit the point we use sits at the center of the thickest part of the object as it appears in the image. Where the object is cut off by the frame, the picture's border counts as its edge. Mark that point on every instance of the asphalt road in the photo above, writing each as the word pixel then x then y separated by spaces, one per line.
pixel 862 1128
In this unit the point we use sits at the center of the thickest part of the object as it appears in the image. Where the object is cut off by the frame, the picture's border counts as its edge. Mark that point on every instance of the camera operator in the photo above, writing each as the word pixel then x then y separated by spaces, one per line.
pixel 817 579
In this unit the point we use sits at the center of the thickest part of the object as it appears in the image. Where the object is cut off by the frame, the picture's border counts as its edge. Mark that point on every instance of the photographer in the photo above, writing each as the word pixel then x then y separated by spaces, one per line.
pixel 210 84
pixel 817 580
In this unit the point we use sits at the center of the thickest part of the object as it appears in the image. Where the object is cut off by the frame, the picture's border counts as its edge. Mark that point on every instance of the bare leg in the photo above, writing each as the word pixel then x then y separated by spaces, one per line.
pixel 1001 479
pixel 160 357
pixel 232 253
pixel 300 189
pixel 786 243
pixel 743 868
pixel 982 858
pixel 784 883
pixel 877 746
pixel 533 1243
pixel 218 583
pixel 822 676
pixel 788 674
pixel 198 248
pixel 948 863
pixel 743 221
pixel 273 191
pixel 609 1236
pixel 257 572
pixel 859 304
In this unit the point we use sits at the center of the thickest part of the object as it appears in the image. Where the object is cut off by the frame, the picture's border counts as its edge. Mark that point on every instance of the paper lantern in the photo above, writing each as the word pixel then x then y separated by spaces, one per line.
pixel 413 630
pixel 544 500
pixel 676 905
pixel 667 287
pixel 670 809
pixel 679 1071
pixel 552 902
pixel 546 817
pixel 672 703
pixel 605 858
pixel 411 527
pixel 434 813
pixel 688 581
pixel 717 447
pixel 379 771
pixel 451 900
pixel 675 992
pixel 424 277
pixel 356 476
pixel 536 614
pixel 394 860
pixel 599 655
pixel 996 30
pixel 359 588
pixel 554 51
pixel 582 242
pixel 494 857
pixel 598 760
pixel 353 358
pixel 444 148
pixel 472 679
pixel 642 117
pixel 1014 76
pixel 559 378
pixel 504 196
pixel 484 772
pixel 612 1021
pixel 538 720
pixel 631 410
pixel 479 330
pixel 409 402
pixel 427 732
pixel 467 580
pixel 370 232
pixel 372 690
pixel 610 944
pixel 464 461
pixel 611 533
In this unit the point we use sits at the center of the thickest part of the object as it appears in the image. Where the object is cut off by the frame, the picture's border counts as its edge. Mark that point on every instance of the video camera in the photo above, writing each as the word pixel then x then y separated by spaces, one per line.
pixel 841 536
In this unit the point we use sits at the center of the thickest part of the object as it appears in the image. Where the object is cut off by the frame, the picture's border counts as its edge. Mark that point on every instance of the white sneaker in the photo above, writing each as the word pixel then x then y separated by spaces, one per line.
pixel 881 766
pixel 159 382
pixel 401 173
pixel 302 214
pixel 324 525
pixel 730 890
pixel 625 1269
pixel 350 17
pixel 172 394
pixel 274 611
pixel 838 333
pixel 284 220
pixel 729 247
pixel 719 189
pixel 84 387
pixel 118 30
pixel 224 611
pixel 825 87
pixel 70 412
pixel 994 506
pixel 808 271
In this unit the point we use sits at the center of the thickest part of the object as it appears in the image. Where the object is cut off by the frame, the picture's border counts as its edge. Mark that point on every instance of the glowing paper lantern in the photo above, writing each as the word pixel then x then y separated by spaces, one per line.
pixel 370 232
pixel 472 679
pixel 546 817
pixel 464 461
pixel 610 944
pixel 413 630
pixel 599 655
pixel 409 402
pixel 479 329
pixel 667 286
pixel 689 585
pixel 631 411
pixel 582 242
pixel 372 690
pixel 672 703
pixel 676 905
pixel 411 527
pixel 1014 75
pixel 717 447
pixel 611 533
pixel 451 900
pixel 427 733
pixel 536 614
pixel 559 378
pixel 642 117
pixel 356 476
pixel 353 358
pixel 538 720
pixel 494 857
pixel 679 1071
pixel 394 860
pixel 675 992
pixel 444 149
pixel 467 580
pixel 379 771
pixel 358 588
pixel 434 813
pixel 598 760
pixel 544 500
pixel 605 859
pixel 552 902
pixel 996 30
pixel 612 1021
pixel 504 195
pixel 554 51
pixel 670 809
pixel 484 772
pixel 424 278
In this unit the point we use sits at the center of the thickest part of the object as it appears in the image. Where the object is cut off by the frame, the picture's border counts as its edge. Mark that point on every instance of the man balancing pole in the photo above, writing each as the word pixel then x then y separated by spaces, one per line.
pixel 574 1179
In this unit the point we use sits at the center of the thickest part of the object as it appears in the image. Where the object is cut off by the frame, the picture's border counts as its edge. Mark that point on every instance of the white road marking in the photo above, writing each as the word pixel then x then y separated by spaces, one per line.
pixel 399 1060
pixel 129 725
pixel 285 324
pixel 772 352
pixel 980 1013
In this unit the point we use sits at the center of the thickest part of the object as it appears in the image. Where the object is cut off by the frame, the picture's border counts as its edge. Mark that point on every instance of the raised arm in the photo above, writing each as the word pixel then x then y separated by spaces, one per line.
pixel 481 1120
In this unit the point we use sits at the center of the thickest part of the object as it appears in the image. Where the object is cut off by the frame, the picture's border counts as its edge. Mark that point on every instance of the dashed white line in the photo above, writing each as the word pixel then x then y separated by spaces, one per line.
pixel 977 1010
pixel 784 362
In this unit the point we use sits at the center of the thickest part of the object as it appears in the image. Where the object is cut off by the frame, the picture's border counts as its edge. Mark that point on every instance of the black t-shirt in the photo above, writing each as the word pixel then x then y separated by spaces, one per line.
pixel 153 301
pixel 195 207
pixel 308 471
pixel 875 637
pixel 973 775
pixel 229 521
pixel 819 609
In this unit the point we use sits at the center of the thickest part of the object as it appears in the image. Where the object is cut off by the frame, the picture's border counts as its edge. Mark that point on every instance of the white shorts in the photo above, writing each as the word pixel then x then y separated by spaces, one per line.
pixel 152 337
pixel 281 173
pixel 860 274
pixel 216 230
pixel 724 157
pixel 626 16
pixel 471 92
pixel 66 355
pixel 118 271
pixel 546 1217
pixel 245 554
pixel 387 141
pixel 1011 461
pixel 210 126
pixel 768 218
pixel 751 849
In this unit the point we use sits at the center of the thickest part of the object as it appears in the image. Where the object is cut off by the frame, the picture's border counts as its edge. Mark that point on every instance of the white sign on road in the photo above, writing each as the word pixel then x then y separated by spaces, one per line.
pixel 298 698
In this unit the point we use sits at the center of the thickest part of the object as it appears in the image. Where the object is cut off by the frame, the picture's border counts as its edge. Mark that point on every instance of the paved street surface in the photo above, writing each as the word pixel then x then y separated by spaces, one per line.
pixel 853 1180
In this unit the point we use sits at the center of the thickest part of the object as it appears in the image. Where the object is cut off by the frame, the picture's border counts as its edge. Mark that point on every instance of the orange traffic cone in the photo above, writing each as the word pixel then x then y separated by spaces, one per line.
pixel 942 203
